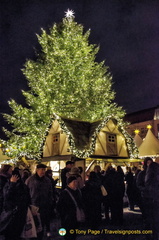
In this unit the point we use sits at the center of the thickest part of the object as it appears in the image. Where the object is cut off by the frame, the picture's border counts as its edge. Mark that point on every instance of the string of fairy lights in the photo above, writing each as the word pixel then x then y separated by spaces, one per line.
pixel 85 153
pixel 132 149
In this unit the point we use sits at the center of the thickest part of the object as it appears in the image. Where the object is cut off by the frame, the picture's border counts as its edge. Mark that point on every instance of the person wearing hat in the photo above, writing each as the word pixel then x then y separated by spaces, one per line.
pixel 75 171
pixel 64 172
pixel 41 196
pixel 69 200
pixel 5 174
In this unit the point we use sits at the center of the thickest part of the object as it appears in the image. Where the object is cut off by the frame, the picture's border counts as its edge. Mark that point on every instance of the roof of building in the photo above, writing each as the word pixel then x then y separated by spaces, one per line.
pixel 81 131
pixel 150 145
pixel 138 140
pixel 141 116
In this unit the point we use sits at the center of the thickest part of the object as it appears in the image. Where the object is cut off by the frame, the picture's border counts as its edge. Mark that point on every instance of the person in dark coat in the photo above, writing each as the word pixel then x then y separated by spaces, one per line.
pixel 146 208
pixel 97 170
pixel 16 198
pixel 120 172
pixel 41 196
pixel 136 191
pixel 67 208
pixel 116 193
pixel 5 174
pixel 64 172
pixel 107 200
pixel 129 178
pixel 93 198
pixel 152 186
pixel 49 174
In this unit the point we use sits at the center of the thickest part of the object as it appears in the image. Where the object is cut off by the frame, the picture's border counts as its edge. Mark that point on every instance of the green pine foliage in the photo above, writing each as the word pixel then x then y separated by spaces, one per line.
pixel 64 80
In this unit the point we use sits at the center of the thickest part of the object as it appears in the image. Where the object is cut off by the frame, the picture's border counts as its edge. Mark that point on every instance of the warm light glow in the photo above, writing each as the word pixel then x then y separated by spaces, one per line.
pixel 136 131
pixel 149 126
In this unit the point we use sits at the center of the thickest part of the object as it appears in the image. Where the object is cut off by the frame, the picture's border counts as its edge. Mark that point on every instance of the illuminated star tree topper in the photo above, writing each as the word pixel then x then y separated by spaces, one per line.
pixel 69 13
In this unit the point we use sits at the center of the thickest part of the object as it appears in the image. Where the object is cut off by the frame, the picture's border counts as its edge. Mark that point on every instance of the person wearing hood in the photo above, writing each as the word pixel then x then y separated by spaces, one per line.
pixel 25 174
pixel 16 200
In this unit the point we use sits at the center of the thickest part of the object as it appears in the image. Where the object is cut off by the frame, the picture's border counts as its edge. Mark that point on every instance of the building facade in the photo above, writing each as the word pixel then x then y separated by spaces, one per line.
pixel 141 119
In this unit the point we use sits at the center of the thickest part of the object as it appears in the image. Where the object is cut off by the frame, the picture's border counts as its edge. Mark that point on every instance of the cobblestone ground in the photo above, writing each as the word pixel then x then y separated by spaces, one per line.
pixel 132 229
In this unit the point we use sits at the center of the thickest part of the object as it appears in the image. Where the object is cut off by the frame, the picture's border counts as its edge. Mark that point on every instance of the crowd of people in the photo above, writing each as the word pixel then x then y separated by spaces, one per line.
pixel 140 185
pixel 20 190
pixel 80 202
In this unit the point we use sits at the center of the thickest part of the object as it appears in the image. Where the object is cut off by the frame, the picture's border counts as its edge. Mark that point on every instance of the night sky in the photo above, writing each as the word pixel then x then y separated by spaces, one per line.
pixel 126 30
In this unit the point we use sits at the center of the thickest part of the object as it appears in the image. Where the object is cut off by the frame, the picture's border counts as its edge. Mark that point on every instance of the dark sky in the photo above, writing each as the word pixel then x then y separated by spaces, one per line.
pixel 126 30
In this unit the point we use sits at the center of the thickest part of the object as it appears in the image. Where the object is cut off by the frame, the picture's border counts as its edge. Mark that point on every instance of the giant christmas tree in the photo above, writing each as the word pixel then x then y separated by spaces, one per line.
pixel 64 81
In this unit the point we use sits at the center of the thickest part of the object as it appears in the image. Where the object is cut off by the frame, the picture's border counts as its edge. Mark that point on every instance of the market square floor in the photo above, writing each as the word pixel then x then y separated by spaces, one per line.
pixel 132 229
